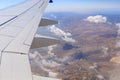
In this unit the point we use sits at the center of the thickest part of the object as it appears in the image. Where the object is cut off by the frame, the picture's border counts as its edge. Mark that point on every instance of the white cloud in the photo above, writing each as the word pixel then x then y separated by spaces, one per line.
pixel 96 19
pixel 50 49
pixel 52 74
pixel 100 77
pixel 66 36
pixel 118 35
pixel 105 51
pixel 52 15
pixel 49 63
pixel 94 66
pixel 118 25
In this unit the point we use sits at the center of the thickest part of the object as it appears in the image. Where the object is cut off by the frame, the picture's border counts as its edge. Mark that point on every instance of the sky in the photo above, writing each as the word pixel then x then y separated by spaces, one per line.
pixel 74 5
pixel 85 5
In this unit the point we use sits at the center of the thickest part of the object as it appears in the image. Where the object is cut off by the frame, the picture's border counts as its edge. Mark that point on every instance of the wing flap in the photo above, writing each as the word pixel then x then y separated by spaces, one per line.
pixel 15 67
pixel 39 42
pixel 46 22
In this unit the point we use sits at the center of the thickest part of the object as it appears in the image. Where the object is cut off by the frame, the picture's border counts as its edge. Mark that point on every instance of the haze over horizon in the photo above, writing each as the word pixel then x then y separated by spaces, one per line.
pixel 82 6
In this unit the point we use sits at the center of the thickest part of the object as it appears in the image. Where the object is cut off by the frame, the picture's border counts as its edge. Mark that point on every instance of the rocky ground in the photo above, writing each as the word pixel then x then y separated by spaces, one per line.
pixel 93 56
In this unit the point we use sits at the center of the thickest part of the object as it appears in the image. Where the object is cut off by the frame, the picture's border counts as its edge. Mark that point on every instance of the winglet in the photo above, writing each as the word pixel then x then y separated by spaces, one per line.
pixel 46 22
pixel 51 1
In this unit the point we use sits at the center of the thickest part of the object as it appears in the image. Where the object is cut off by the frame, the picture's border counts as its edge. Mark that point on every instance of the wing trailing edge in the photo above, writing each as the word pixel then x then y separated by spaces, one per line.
pixel 46 22
pixel 43 41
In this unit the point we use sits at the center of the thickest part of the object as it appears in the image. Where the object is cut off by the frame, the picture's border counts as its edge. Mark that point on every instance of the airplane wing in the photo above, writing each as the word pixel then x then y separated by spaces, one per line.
pixel 18 26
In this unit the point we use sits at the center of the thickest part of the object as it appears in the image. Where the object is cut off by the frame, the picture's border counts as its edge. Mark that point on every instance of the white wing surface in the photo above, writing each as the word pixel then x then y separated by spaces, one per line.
pixel 18 25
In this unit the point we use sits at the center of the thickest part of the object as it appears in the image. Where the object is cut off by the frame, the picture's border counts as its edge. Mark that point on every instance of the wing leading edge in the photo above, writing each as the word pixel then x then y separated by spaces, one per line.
pixel 18 25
